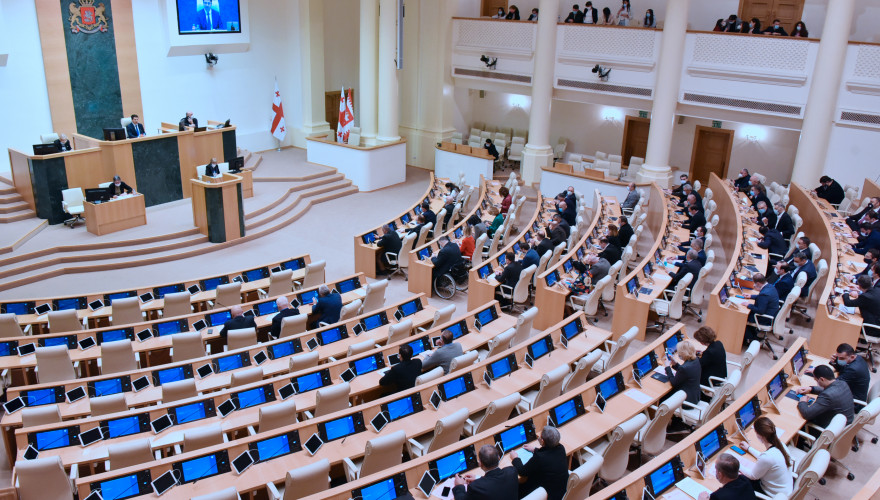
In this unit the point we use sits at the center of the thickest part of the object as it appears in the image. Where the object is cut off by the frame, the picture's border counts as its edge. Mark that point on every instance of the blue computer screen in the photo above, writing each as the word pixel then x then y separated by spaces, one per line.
pixel 17 308
pixel 308 297
pixel 251 397
pixel 454 387
pixel 254 274
pixel 40 397
pixel 229 363
pixel 570 330
pixel 199 468
pixel 663 478
pixel 608 388
pixel 165 290
pixel 369 238
pixel 347 285
pixel 776 386
pixel 211 283
pixel 65 304
pixel 365 365
pixel 486 316
pixel 331 335
pixel 500 367
pixel 123 427
pixel 552 278
pixel 309 382
pixel 114 335
pixel 405 218
pixel 283 349
pixel 513 437
pixel 340 427
pixel 7 348
pixel 418 347
pixel 122 487
pixel 273 447
pixel 539 349
pixel 168 328
pixel 450 465
pixel 267 308
pixel 53 341
pixel 52 439
pixel 400 408
pixel 671 343
pixel 567 265
pixel 410 308
pixel 189 413
pixel 798 360
pixel 372 322
pixel 710 444
pixel 293 265
pixel 502 260
pixel 456 330
pixel 644 364
pixel 746 414
pixel 379 491
pixel 219 318
pixel 484 272
pixel 171 375
pixel 565 412
pixel 119 295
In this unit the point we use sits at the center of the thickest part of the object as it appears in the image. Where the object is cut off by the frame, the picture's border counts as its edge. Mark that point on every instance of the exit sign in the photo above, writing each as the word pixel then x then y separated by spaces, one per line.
pixel 643 114
pixel 716 124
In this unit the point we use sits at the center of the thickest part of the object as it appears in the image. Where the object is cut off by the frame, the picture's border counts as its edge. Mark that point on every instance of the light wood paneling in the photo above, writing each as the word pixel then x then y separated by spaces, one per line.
pixel 86 168
pixel 126 57
pixel 21 176
pixel 51 25
pixel 115 215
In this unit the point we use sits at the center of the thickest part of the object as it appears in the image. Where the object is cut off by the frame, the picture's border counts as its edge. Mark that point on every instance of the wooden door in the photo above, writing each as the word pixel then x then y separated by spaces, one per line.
pixel 635 138
pixel 331 107
pixel 490 7
pixel 787 11
pixel 711 153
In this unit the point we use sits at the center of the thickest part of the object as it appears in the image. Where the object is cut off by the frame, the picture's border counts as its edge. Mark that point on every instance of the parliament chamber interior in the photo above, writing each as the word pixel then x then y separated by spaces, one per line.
pixel 448 250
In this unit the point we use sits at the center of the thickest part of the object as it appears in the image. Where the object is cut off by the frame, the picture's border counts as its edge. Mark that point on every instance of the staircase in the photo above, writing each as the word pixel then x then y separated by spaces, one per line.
pixel 12 206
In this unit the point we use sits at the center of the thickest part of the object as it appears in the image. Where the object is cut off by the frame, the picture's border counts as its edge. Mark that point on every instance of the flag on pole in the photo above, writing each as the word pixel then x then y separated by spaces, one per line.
pixel 279 130
pixel 350 110
pixel 346 118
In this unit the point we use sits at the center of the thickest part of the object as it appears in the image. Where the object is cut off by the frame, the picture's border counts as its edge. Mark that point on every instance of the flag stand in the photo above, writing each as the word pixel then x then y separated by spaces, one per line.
pixel 279 144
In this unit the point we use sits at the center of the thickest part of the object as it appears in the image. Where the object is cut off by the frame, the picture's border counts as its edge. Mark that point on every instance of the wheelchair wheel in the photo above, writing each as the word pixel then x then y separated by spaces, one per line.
pixel 461 281
pixel 444 286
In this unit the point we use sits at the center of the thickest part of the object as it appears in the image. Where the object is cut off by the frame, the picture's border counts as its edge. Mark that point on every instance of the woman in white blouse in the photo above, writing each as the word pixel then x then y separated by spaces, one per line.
pixel 772 473
pixel 624 15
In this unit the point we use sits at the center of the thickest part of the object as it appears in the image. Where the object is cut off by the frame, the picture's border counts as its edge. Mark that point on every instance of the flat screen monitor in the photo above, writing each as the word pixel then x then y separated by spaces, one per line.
pixel 487 316
pixel 277 446
pixel 646 363
pixel 572 329
pixel 45 149
pixel 114 134
pixel 236 164
pixel 106 387
pixel 208 16
pixel 202 467
pixel 776 386
pixel 799 360
pixel 97 194
pixel 285 349
pixel 540 348
pixel 516 436
pixel 213 283
pixel 403 407
pixel 129 486
pixel 56 438
pixel 665 477
pixel 484 271
pixel 502 367
pixel 126 426
pixel 341 427
pixel 568 410
pixel 308 382
pixel 632 286
pixel 454 463
pixel 193 412
pixel 456 387
pixel 748 413
pixel 711 443
pixel 612 386
pixel 218 318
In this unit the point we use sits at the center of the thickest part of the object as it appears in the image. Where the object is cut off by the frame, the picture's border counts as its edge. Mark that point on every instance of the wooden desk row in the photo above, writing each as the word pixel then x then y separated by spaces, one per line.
pixel 115 215
pixel 251 281
pixel 476 397
pixel 480 290
pixel 782 411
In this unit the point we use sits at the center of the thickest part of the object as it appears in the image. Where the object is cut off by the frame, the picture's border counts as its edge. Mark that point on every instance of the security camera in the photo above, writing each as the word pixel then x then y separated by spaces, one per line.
pixel 211 59
pixel 601 72
pixel 489 62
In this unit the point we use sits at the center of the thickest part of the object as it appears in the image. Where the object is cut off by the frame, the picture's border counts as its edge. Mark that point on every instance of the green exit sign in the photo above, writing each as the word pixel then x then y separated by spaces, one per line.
pixel 643 114
pixel 716 124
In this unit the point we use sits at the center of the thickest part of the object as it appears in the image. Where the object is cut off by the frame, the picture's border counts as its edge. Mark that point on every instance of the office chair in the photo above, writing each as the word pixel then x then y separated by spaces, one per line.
pixel 465 360
pixel 614 449
pixel 280 283
pixel 73 204
pixel 550 387
pixel 695 415
pixel 314 274
pixel 246 376
pixel 64 321
pixel 293 325
pixel 126 311
pixel 177 390
pixel 447 431
pixel 9 327
pixel 670 303
pixel 227 295
pixel 303 361
pixel 694 303
pixel 810 477
pixel 524 325
pixel 519 294
pixel 54 365
pixel 580 480
pixel 331 399
pixel 651 439
pixel 130 453
pixel 399 331
pixel 538 493
pixel 842 444
pixel 441 316
pixel 276 416
pixel 302 482
pixel 40 415
pixel 44 478
pixel 498 344
pixel 582 370
pixel 495 414
pixel 616 350
pixel 590 302
pixel 374 297
pixel 350 310
pixel 359 348
pixel 748 357
pixel 429 376
pixel 202 437
pixel 187 345
pixel 105 405
pixel 400 262
pixel 803 458
pixel 118 356
pixel 176 304
pixel 240 339
pixel 225 494
pixel 380 453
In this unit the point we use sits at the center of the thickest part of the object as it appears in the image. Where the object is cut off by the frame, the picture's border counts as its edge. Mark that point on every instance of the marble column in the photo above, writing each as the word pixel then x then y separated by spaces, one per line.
pixel 311 28
pixel 809 162
pixel 367 94
pixel 389 105
pixel 666 87
pixel 538 152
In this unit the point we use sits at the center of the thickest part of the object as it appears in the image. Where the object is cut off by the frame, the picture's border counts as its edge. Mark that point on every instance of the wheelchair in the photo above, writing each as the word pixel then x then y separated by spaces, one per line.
pixel 456 279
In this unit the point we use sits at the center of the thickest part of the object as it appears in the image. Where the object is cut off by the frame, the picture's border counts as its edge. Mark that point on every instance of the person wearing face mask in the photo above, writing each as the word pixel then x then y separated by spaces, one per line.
pixel 852 369
pixel 803 265
pixel 856 219
pixel 500 15
pixel 117 187
pixel 868 301
pixel 758 194
pixel 742 182
pixel 783 221
pixel 772 241
pixel 766 217
pixel 632 197
pixel 830 190
pixel 784 281
pixel 870 258
pixel 753 27
pixel 513 14
pixel 800 30
pixel 803 245
pixel 775 29
pixel 575 16
pixel 682 180
pixel 870 239
pixel 766 303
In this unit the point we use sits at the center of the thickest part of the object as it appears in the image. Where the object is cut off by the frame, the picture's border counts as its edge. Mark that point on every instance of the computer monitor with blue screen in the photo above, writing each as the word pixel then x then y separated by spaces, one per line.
pixel 712 442
pixel 229 363
pixel 219 16
pixel 162 291
pixel 400 408
pixel 309 382
pixel 632 286
pixel 516 436
pixel 18 308
pixel 190 412
pixel 568 410
pixel 53 341
pixel 283 349
pixel 458 232
pixel 502 260
pixel 213 283
pixel 566 266
pixel 645 364
pixel 110 297
pixel 308 297
pixel 218 318
pixel 500 368
pixel 552 278
pixel 747 414
pixel 339 428
pixel 454 388
pixel 330 336
pixel 571 329
pixel 294 264
pixel 368 238
pixel 405 218
pixel 251 397
pixel 65 304
pixel 379 491
pixel 539 348
pixel 776 386
pixel 168 328
pixel 39 397
pixel 171 375
pixel 665 477
pixel 486 316
pixel 198 468
pixel 8 348
pixel 671 344
pixel 418 346
pixel 265 308
pixel 410 308
pixel 610 387
pixel 123 427
pixel 121 488
pixel 454 463
pixel 366 365
pixel 114 335
pixel 456 330
pixel 372 322
pixel 799 360
pixel 49 440
pixel 484 272
pixel 255 274
pixel 348 285
pixel 273 447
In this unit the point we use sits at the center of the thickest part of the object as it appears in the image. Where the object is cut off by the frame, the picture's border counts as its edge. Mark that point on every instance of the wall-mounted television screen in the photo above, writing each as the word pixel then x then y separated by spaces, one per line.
pixel 196 17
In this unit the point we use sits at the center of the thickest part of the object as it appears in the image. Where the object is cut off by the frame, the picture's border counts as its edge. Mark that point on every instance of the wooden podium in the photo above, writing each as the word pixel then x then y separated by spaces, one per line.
pixel 218 211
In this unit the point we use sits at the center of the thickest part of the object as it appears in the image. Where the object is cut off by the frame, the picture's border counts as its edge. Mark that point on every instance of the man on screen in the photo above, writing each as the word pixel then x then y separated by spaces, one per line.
pixel 189 121
pixel 208 16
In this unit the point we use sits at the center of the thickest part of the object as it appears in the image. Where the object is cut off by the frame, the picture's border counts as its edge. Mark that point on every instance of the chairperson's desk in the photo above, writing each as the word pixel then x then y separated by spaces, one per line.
pixel 115 215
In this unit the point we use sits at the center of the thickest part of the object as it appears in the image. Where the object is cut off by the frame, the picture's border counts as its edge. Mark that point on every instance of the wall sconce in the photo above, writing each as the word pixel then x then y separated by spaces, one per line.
pixel 612 115
pixel 610 118
pixel 752 139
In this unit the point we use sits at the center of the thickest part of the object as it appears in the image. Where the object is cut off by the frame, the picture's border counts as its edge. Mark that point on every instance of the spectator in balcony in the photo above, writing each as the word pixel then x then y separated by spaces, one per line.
pixel 513 13
pixel 733 24
pixel 591 14
pixel 650 22
pixel 491 148
pixel 534 15
pixel 575 16
pixel 776 29
pixel 607 18
pixel 500 14
pixel 800 29
pixel 720 25
pixel 624 15
pixel 753 27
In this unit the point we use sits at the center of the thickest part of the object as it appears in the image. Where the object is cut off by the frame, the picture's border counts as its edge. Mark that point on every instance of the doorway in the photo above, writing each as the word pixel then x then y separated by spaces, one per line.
pixel 711 153
pixel 787 11
pixel 490 7
pixel 635 138
pixel 331 107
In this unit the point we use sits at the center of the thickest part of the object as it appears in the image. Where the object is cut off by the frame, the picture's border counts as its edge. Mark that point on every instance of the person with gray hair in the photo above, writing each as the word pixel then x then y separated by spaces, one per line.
pixel 632 197
pixel 238 321
pixel 734 486
pixel 784 224
pixel 450 207
pixel 547 468
pixel 284 311
pixel 443 356
pixel 691 265
pixel 62 143
pixel 496 483
pixel 325 307
pixel 117 187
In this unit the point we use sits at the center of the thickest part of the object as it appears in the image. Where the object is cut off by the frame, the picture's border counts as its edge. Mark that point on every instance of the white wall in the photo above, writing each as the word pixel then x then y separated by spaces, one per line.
pixel 24 99
pixel 239 87
pixel 341 45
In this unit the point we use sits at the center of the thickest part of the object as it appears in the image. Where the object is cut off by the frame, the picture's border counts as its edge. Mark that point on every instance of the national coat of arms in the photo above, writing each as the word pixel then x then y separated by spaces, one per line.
pixel 87 18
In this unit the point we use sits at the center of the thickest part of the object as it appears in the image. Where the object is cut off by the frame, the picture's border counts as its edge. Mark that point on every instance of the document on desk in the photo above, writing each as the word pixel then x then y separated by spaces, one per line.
pixel 639 396
pixel 691 487
pixel 360 291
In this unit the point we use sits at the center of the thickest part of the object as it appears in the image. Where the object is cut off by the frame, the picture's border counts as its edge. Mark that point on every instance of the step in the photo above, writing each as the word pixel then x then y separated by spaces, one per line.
pixel 305 186
pixel 13 207
pixel 5 189
pixel 9 197
pixel 16 216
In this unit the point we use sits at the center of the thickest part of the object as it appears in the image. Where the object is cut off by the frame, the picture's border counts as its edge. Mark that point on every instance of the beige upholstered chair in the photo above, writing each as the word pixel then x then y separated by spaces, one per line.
pixel 228 295
pixel 698 414
pixel 314 274
pixel 519 294
pixel 9 327
pixel 615 448
pixel 303 361
pixel 276 416
pixel 246 376
pixel 239 339
pixel 105 405
pixel 64 321
pixel 350 310
pixel 441 316
pixel 187 345
pixel 616 350
pixel 360 347
pixel 203 437
pixel 399 331
pixel 801 458
pixel 54 365
pixel 500 343
pixel 463 361
pixel 811 476
pixel 550 387
pixel 447 430
pixel 302 482
pixel 582 370
pixel 40 415
pixel 292 325
pixel 581 479
pixel 117 356
pixel 380 453
pixel 180 389
pixel 280 283
pixel 225 494
pixel 524 325
pixel 130 453
pixel 651 439
pixel 176 304
pixel 374 297
pixel 332 399
pixel 429 376
pixel 126 311
pixel 496 413
pixel 44 478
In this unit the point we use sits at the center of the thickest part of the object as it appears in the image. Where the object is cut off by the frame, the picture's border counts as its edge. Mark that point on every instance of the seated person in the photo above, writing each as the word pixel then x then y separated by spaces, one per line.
pixel 758 194
pixel 566 227
pixel 547 468
pixel 830 190
pixel 326 307
pixel 62 143
pixel 871 256
pixel 135 128
pixel 784 280
pixel 688 190
pixel 734 486
pixel 608 251
pixel 403 375
pixel 117 187
pixel 506 199
pixel 530 256
pixel 699 234
pixel 498 219
pixel 430 216
pixel 443 354
pixel 447 258
pixel 613 235
pixel 691 265
pixel 802 244
pixel 696 219
pixel 766 302
pixel 852 369
pixel 490 147
pixel 742 182
pixel 543 244
pixel 771 474
pixel 567 213
pixel 834 397
pixel 417 229
pixel 480 227
pixel 775 29
pixel 212 169
pixel 625 232
pixel 452 189
pixel 766 217
pixel 556 233
pixel 713 357
pixel 686 375
pixel 803 265
pixel 771 240
pixel 590 271
pixel 467 245
pixel 855 220
pixel 238 321
pixel 509 275
pixel 496 483
pixel 678 190
pixel 632 197
pixel 696 244
pixel 597 267
pixel 449 207
pixel 189 121
pixel 868 301
pixel 284 311
pixel 783 221
pixel 388 243
pixel 870 239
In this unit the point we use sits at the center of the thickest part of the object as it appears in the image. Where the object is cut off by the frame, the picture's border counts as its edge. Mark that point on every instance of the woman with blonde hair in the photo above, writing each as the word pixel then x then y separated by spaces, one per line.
pixel 772 473
pixel 684 375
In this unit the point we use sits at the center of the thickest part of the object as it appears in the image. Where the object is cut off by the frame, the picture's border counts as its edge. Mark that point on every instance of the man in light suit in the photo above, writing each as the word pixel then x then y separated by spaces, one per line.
pixel 496 483
pixel 135 128
pixel 632 197
pixel 444 354
pixel 209 17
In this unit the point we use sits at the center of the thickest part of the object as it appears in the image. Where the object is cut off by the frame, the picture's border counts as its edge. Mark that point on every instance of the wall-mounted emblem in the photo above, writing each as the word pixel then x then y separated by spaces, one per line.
pixel 87 18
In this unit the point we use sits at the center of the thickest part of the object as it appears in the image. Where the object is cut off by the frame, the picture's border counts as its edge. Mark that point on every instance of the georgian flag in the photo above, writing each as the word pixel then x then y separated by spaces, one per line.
pixel 279 129
pixel 346 118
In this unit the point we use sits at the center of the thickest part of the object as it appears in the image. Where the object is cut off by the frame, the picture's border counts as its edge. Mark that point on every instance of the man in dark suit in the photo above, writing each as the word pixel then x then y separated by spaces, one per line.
pixel 326 307
pixel 775 29
pixel 699 234
pixel 284 311
pixel 212 169
pixel 556 233
pixel 695 219
pixel 566 227
pixel 742 182
pixel 567 213
pixel 803 265
pixel 870 239
pixel 544 244
pixel 591 14
pixel 575 16
pixel 766 217
pixel 403 375
pixel 772 241
pixel 855 220
pixel 62 143
pixel 117 187
pixel 871 257
pixel 852 369
pixel 490 147
pixel 449 207
pixel 679 190
pixel 388 243
pixel 496 483
pixel 697 245
pixel 766 302
pixel 783 221
pixel 530 256
pixel 208 17
pixel 609 251
pixel 686 191
pixel 238 321
pixel 625 233
pixel 429 214
pixel 734 486
pixel 189 121
pixel 135 128
pixel 784 280
pixel 830 190
pixel 758 194
pixel 802 244
pixel 509 275
pixel 448 257
pixel 835 397
pixel 547 468
pixel 868 301
pixel 417 229
pixel 691 265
